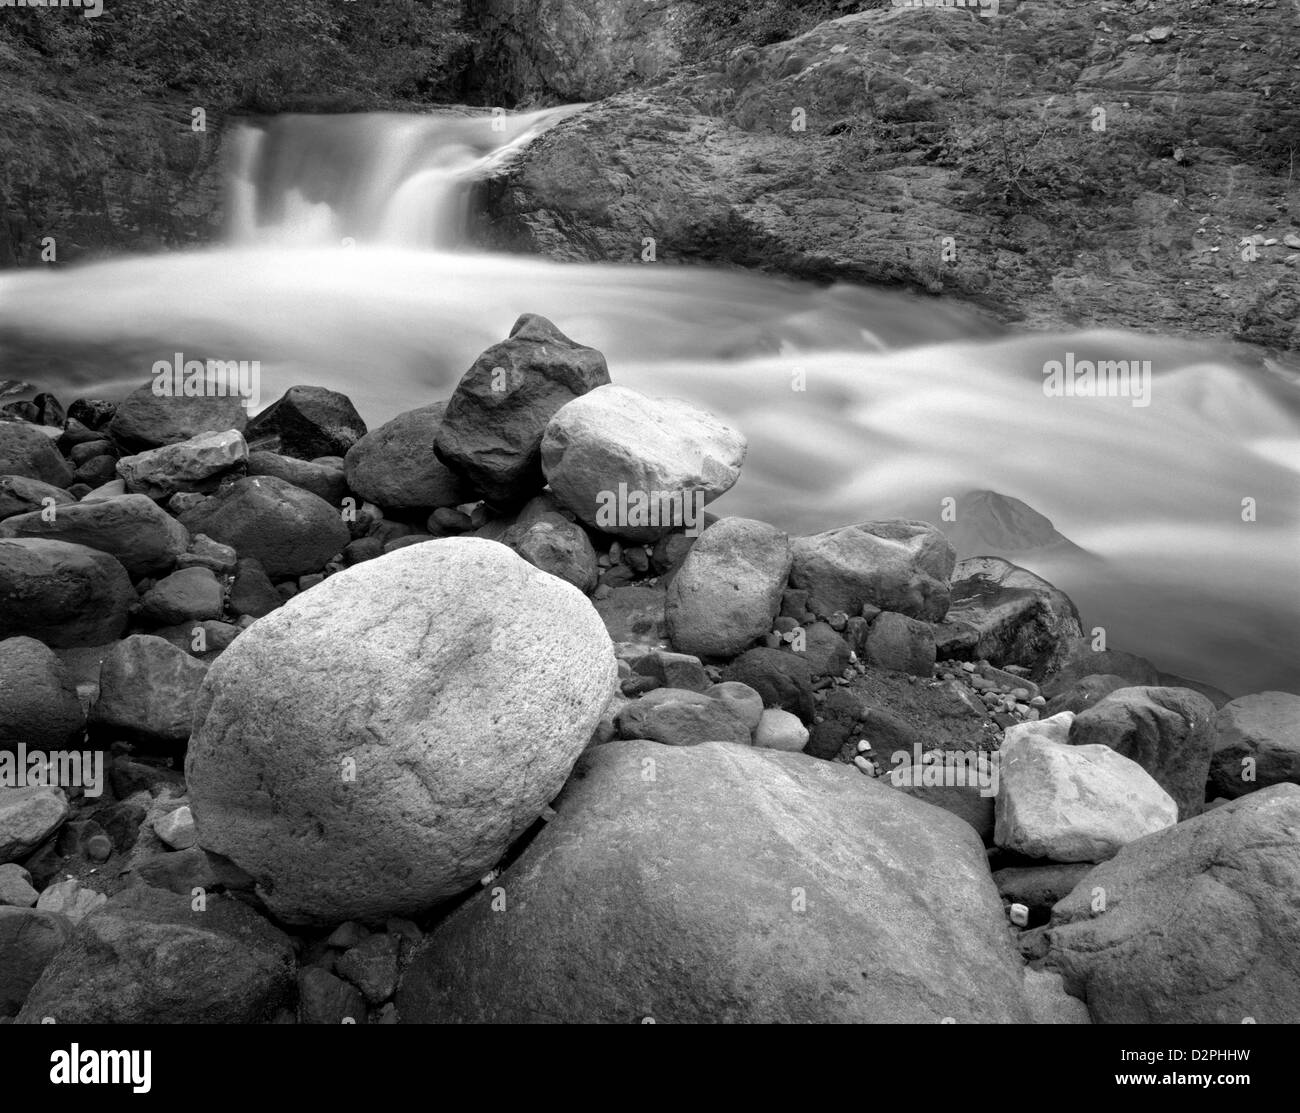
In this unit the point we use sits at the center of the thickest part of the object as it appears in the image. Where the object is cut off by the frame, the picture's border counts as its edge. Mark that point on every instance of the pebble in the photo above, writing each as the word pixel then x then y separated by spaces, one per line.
pixel 1019 915
pixel 866 766
pixel 864 747
pixel 1038 701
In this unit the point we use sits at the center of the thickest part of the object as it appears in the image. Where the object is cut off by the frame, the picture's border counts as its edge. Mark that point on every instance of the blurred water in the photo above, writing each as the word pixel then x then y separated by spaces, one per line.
pixel 905 400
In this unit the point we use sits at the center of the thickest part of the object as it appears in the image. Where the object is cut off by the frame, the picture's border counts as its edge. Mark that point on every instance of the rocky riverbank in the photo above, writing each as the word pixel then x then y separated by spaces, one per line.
pixel 481 715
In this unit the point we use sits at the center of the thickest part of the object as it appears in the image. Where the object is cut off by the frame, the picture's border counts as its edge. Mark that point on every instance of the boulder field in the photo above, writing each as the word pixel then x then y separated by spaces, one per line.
pixel 487 714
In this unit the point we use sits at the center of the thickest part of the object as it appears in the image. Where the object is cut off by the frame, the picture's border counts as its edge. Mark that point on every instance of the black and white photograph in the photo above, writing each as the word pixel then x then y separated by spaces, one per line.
pixel 649 512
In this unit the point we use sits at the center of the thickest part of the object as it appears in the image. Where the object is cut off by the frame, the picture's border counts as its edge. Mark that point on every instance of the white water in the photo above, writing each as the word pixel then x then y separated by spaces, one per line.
pixel 338 274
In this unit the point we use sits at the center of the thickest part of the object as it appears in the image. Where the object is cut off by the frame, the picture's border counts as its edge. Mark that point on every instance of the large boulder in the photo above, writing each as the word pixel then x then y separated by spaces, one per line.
pixel 133 528
pixel 62 594
pixel 307 422
pixel 149 957
pixel 728 589
pixel 1200 923
pixel 894 565
pixel 147 692
pixel 727 884
pixel 395 466
pixel 1007 615
pixel 192 465
pixel 379 741
pixel 146 420
pixel 491 432
pixel 638 467
pixel 1072 803
pixel 26 451
pixel 1256 744
pixel 38 698
pixel 901 644
pixel 291 531
pixel 1167 731
pixel 323 477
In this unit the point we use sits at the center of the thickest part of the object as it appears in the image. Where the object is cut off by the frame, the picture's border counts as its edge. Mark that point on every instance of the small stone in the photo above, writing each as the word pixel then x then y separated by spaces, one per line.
pixel 347 935
pixel 780 730
pixel 371 966
pixel 98 848
pixel 863 764
pixel 16 886
pixel 1019 915
pixel 176 828
pixel 1038 701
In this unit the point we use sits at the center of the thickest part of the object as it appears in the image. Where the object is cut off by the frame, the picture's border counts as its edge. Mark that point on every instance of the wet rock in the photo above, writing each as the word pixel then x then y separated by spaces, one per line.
pixel 395 465
pixel 27 452
pixel 307 422
pixel 188 595
pixel 191 465
pixel 38 699
pixel 62 594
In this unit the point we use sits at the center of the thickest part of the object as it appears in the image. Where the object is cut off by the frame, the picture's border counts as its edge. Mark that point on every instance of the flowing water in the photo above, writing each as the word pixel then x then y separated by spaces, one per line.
pixel 346 266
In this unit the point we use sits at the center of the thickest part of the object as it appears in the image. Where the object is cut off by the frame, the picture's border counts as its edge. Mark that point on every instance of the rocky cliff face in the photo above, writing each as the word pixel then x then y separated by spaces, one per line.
pixel 1064 163
pixel 539 51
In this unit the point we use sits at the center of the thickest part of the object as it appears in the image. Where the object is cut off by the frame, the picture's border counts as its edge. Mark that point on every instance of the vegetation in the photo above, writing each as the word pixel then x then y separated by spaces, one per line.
pixel 254 55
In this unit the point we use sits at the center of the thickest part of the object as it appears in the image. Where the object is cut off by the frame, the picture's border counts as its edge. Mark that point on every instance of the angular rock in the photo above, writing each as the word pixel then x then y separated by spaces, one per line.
pixel 133 528
pixel 728 589
pixel 902 644
pixel 737 885
pixel 20 495
pixel 556 545
pixel 1049 1003
pixel 196 464
pixel 291 531
pixel 307 422
pixel 680 717
pixel 395 466
pixel 1007 615
pixel 28 940
pixel 28 816
pixel 1073 803
pixel 176 828
pixel 252 592
pixel 1167 731
pixel 1263 728
pixel 1200 926
pixel 62 594
pixel 206 553
pixel 38 698
pixel 456 681
pixel 673 670
pixel 895 565
pixel 638 467
pixel 491 432
pixel 371 966
pixel 188 595
pixel 147 692
pixel 147 958
pixel 27 452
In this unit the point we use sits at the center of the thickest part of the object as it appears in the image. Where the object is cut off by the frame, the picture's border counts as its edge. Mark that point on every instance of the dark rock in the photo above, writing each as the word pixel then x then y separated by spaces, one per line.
pixel 825 651
pixel 189 595
pixel 395 467
pixel 371 966
pixel 26 451
pixel 680 717
pixel 903 644
pixel 252 592
pixel 62 594
pixel 1084 693
pixel 325 999
pixel 133 528
pixel 291 531
pixel 147 690
pixel 93 413
pixel 1262 729
pixel 146 420
pixel 1038 888
pixel 29 939
pixel 635 614
pixel 307 422
pixel 1008 616
pixel 38 699
pixel 783 679
pixel 148 957
pixel 491 431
